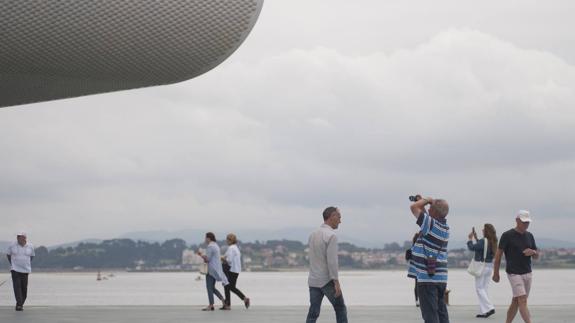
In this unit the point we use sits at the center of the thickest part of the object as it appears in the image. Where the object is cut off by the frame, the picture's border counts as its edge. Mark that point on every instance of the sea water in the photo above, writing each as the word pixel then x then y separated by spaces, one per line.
pixel 550 287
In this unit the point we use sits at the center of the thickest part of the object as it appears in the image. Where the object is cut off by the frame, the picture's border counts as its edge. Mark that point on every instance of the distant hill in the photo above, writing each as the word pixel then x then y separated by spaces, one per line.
pixel 195 236
pixel 4 245
pixel 3 262
pixel 191 236
pixel 74 243
pixel 542 243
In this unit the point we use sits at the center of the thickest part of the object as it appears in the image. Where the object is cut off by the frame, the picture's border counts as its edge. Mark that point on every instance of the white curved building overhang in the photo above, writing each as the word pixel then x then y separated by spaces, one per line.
pixel 54 49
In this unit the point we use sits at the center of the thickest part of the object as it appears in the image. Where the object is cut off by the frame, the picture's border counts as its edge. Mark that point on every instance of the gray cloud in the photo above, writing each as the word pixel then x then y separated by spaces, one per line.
pixel 269 141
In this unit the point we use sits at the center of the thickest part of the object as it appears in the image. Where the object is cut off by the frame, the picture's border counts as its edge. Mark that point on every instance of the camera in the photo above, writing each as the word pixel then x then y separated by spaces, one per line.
pixel 414 198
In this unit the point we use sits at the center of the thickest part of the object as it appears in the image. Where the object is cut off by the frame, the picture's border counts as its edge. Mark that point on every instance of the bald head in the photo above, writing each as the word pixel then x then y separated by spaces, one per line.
pixel 439 209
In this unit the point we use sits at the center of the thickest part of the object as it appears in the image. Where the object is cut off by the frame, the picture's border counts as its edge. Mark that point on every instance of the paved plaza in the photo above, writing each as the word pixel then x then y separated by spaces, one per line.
pixel 263 314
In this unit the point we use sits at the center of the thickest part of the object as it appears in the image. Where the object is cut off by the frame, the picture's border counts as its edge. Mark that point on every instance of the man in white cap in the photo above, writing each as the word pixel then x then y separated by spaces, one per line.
pixel 20 255
pixel 519 247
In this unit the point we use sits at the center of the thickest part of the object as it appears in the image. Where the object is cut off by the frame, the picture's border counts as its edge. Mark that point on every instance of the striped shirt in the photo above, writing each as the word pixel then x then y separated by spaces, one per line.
pixel 432 241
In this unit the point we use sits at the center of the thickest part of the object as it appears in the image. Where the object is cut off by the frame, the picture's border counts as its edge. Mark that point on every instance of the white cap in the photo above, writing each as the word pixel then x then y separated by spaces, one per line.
pixel 524 216
pixel 22 233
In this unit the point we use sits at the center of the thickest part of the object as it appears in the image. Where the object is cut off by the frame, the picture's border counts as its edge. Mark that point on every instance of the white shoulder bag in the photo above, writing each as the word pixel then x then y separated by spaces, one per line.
pixel 476 267
pixel 203 269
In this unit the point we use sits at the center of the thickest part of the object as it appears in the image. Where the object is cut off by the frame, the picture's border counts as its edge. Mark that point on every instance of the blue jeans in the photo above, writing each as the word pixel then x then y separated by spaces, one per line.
pixel 211 287
pixel 316 296
pixel 432 303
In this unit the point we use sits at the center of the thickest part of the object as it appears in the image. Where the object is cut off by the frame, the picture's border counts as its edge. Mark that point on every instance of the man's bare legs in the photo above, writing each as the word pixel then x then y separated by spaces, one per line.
pixel 518 304
pixel 523 310
pixel 512 311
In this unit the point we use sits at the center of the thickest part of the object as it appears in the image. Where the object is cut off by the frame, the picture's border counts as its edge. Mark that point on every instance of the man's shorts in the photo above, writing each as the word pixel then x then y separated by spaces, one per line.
pixel 520 284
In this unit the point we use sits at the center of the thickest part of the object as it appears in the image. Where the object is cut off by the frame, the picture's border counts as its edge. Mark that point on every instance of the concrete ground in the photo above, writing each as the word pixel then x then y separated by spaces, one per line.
pixel 267 314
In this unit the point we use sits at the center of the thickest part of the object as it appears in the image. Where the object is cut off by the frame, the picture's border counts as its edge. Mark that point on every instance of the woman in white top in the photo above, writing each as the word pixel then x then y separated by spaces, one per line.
pixel 486 308
pixel 232 268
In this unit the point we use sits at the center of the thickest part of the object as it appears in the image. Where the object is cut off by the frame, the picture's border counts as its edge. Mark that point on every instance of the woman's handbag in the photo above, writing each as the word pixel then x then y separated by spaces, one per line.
pixel 226 268
pixel 476 267
pixel 204 269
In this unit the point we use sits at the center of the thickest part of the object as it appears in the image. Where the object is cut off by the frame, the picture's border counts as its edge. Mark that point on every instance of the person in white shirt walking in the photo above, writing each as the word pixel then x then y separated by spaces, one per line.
pixel 232 268
pixel 20 255
pixel 323 277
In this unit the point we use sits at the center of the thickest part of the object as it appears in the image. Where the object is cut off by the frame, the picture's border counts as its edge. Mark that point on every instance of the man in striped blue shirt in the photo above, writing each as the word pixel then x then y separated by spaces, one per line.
pixel 429 258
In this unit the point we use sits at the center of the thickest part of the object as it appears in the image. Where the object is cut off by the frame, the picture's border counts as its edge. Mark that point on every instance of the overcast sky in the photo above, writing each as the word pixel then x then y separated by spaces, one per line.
pixel 356 104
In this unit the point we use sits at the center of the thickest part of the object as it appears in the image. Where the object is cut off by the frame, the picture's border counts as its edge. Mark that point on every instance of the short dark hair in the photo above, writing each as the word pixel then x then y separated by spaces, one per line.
pixel 328 212
pixel 211 236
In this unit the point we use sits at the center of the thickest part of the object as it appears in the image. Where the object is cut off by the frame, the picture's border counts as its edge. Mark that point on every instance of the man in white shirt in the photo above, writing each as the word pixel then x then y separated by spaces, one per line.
pixel 20 255
pixel 323 277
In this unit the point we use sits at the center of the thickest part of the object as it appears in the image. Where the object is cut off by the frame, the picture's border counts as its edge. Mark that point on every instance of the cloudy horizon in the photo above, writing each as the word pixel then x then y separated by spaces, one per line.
pixel 326 103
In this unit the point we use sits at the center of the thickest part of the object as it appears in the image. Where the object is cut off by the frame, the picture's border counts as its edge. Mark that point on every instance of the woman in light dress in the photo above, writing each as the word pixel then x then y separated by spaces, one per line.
pixel 215 272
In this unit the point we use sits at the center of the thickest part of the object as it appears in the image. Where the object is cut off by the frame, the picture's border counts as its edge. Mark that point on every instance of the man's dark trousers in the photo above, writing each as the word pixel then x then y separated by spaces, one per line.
pixel 20 283
pixel 432 302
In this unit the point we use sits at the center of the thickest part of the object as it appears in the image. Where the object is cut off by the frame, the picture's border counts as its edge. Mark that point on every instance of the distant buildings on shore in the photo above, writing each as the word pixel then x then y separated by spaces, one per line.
pixel 273 255
pixel 280 255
